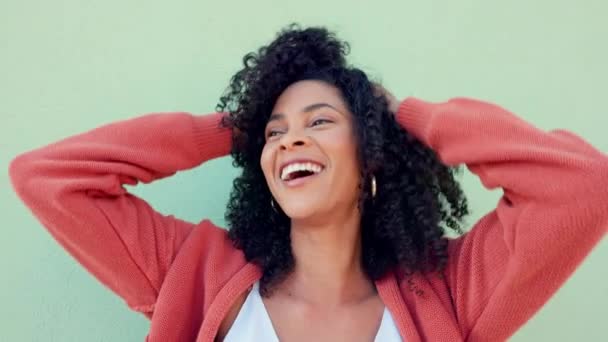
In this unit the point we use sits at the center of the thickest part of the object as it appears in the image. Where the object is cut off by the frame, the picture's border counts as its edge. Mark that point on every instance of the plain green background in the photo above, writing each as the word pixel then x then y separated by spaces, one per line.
pixel 69 66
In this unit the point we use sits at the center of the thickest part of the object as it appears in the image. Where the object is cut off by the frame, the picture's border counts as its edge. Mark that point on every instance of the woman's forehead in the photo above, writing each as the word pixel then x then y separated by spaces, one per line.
pixel 303 95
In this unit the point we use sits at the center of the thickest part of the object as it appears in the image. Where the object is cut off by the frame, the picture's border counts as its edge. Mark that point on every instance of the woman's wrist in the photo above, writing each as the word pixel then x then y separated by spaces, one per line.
pixel 392 101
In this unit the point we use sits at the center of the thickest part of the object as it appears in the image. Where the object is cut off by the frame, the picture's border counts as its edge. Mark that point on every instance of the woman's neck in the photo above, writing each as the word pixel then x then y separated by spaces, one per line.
pixel 328 269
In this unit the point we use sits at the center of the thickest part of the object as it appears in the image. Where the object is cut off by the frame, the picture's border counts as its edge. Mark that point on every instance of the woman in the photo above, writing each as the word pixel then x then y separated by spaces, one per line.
pixel 337 220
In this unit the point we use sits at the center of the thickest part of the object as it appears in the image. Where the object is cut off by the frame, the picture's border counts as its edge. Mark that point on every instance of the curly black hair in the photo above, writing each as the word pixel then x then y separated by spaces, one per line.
pixel 401 226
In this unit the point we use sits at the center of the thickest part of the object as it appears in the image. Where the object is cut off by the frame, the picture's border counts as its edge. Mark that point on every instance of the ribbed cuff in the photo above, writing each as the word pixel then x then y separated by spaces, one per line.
pixel 415 115
pixel 212 140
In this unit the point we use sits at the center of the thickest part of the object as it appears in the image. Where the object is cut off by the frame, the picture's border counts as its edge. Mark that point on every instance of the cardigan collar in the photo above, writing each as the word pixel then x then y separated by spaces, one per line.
pixel 388 290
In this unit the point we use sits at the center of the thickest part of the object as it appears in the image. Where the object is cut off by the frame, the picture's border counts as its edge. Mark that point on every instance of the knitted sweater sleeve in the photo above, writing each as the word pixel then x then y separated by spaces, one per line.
pixel 74 187
pixel 553 212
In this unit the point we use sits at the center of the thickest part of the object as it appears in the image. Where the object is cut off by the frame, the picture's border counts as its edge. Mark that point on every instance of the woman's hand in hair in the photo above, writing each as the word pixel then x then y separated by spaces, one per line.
pixel 393 102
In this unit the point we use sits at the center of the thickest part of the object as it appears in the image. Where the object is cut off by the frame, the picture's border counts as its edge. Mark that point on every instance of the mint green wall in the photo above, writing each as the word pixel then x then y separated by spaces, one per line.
pixel 68 66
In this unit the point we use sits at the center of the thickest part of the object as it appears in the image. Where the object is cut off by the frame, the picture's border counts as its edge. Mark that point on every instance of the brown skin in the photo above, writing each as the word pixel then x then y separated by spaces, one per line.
pixel 327 297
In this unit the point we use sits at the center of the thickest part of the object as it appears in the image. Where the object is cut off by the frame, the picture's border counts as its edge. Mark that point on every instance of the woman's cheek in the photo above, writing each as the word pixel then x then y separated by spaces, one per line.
pixel 265 160
pixel 268 160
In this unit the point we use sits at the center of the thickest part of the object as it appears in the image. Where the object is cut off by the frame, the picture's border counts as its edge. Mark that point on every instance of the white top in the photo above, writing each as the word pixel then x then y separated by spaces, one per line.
pixel 253 323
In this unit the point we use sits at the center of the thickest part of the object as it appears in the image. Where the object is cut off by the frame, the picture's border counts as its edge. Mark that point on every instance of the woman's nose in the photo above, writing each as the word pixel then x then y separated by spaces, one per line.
pixel 290 140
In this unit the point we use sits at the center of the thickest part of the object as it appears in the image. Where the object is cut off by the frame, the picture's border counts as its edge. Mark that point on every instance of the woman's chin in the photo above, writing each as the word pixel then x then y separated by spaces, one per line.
pixel 301 211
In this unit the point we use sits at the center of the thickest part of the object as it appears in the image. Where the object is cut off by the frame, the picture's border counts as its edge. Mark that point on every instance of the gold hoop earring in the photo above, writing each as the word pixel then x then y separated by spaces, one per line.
pixel 272 205
pixel 373 186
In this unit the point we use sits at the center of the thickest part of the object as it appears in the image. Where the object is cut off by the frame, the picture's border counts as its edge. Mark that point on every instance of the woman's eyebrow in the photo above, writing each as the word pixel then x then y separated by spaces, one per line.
pixel 314 106
pixel 309 108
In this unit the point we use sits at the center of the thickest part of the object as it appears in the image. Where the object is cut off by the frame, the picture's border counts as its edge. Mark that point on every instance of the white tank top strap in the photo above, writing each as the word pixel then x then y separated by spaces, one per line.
pixel 388 329
pixel 253 324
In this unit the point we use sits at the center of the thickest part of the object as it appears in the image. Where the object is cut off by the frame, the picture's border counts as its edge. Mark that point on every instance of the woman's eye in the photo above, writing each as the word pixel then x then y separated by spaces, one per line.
pixel 319 121
pixel 316 122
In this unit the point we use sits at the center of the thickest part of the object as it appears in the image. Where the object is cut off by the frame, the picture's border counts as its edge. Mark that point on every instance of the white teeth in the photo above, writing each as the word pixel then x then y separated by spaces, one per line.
pixel 299 167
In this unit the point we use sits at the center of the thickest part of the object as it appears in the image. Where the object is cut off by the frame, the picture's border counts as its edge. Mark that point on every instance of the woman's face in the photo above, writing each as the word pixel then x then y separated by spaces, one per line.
pixel 310 156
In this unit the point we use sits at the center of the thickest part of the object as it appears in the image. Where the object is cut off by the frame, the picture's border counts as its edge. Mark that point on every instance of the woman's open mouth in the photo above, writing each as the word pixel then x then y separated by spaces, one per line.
pixel 295 174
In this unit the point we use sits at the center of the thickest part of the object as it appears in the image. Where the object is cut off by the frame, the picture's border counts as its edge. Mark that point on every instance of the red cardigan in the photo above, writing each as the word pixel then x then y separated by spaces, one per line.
pixel 184 276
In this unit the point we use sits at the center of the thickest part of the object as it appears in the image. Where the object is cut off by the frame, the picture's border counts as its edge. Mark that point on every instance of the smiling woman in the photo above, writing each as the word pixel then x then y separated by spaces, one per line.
pixel 296 99
pixel 337 222
pixel 322 238
pixel 317 135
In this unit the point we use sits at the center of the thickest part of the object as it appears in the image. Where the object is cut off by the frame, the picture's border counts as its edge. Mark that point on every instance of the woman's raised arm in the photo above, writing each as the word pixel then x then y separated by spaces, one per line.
pixel 554 210
pixel 74 187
